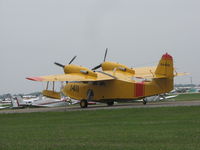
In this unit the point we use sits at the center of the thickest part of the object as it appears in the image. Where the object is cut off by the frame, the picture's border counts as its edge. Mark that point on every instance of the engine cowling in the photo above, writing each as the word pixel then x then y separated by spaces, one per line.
pixel 69 69
pixel 116 66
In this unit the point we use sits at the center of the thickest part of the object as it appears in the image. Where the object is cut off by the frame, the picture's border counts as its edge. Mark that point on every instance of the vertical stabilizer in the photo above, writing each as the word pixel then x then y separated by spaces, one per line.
pixel 20 101
pixel 14 102
pixel 165 66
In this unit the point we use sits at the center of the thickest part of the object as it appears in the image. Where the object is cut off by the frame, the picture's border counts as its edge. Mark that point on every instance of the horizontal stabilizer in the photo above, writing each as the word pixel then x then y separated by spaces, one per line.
pixel 181 74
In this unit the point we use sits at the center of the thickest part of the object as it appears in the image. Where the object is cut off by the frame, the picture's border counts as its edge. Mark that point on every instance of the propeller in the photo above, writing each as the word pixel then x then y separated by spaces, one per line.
pixel 61 65
pixel 97 67
pixel 105 55
pixel 72 60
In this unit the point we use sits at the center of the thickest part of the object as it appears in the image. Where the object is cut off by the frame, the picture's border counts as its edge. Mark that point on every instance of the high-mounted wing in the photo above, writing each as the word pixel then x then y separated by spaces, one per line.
pixel 150 73
pixel 146 73
pixel 72 77
pixel 181 74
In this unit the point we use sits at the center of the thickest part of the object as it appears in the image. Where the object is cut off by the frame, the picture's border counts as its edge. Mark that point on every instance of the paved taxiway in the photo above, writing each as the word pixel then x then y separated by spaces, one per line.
pixel 104 106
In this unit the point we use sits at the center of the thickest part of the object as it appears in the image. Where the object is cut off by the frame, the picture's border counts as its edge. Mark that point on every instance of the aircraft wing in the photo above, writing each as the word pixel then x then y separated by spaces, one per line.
pixel 171 96
pixel 149 73
pixel 181 74
pixel 146 73
pixel 72 77
pixel 144 70
pixel 4 107
pixel 150 76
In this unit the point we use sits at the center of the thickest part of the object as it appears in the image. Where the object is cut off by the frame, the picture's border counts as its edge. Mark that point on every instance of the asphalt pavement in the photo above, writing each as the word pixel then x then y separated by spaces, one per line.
pixel 104 106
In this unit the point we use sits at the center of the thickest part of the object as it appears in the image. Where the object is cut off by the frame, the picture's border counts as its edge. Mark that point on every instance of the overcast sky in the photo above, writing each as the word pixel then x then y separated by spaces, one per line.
pixel 34 34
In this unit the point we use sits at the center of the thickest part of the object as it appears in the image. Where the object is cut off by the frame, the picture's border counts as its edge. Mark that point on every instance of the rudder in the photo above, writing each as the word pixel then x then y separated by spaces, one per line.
pixel 165 66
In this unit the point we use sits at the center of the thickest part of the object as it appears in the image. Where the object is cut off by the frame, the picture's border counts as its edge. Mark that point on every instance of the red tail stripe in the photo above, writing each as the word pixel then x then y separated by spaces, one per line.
pixel 139 89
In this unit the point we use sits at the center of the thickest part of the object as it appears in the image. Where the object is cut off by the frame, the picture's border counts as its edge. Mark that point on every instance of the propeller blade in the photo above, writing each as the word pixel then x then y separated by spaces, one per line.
pixel 72 60
pixel 97 67
pixel 60 65
pixel 105 55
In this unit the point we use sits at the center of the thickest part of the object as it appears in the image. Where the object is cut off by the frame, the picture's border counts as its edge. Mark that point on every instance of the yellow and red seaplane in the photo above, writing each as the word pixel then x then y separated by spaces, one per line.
pixel 114 82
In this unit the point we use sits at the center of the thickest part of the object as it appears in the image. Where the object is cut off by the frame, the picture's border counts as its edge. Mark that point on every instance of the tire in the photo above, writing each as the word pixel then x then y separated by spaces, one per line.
pixel 144 102
pixel 110 103
pixel 84 104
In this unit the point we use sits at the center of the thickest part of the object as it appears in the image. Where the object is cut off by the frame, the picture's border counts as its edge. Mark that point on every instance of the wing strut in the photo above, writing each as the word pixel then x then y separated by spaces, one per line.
pixel 47 85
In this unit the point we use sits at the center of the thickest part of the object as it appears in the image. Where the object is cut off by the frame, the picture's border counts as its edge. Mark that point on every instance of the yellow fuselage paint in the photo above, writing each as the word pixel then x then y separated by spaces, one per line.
pixel 118 90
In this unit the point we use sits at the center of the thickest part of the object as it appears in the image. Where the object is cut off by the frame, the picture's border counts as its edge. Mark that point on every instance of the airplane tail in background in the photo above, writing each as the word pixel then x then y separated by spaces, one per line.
pixel 17 102
pixel 165 66
pixel 20 101
pixel 14 102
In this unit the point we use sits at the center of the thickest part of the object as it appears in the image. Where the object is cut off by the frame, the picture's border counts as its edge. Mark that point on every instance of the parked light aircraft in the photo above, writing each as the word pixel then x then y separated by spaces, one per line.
pixel 115 82
pixel 5 104
pixel 4 107
pixel 41 101
pixel 159 98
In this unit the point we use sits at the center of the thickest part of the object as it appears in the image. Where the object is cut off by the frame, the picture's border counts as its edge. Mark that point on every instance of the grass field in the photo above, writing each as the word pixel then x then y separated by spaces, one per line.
pixel 173 128
pixel 189 96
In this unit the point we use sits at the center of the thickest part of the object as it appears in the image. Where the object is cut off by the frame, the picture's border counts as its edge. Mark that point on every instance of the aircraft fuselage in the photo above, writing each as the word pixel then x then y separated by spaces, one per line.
pixel 117 89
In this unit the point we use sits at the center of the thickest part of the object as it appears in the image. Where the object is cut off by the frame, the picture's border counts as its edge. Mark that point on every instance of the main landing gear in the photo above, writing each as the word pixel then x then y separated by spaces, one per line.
pixel 84 103
pixel 144 101
pixel 111 103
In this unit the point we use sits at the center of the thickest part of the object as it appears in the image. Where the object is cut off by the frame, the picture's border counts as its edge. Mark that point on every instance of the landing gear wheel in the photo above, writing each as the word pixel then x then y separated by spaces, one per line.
pixel 84 104
pixel 110 103
pixel 144 102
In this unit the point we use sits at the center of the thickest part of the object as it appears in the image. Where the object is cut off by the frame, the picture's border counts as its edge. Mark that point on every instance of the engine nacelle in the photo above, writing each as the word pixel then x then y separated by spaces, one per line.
pixel 115 66
pixel 68 69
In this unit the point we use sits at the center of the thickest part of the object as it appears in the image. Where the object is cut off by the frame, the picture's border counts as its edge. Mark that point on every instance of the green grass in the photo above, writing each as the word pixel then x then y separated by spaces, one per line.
pixel 189 96
pixel 173 128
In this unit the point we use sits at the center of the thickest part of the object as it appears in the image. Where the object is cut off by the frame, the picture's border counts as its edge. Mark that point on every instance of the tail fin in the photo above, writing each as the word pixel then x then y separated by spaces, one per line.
pixel 165 66
pixel 20 100
pixel 14 102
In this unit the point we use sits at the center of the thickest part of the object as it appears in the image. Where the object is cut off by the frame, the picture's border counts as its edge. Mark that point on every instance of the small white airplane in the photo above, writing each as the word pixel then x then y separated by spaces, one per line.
pixel 2 107
pixel 5 104
pixel 159 98
pixel 7 101
pixel 41 101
